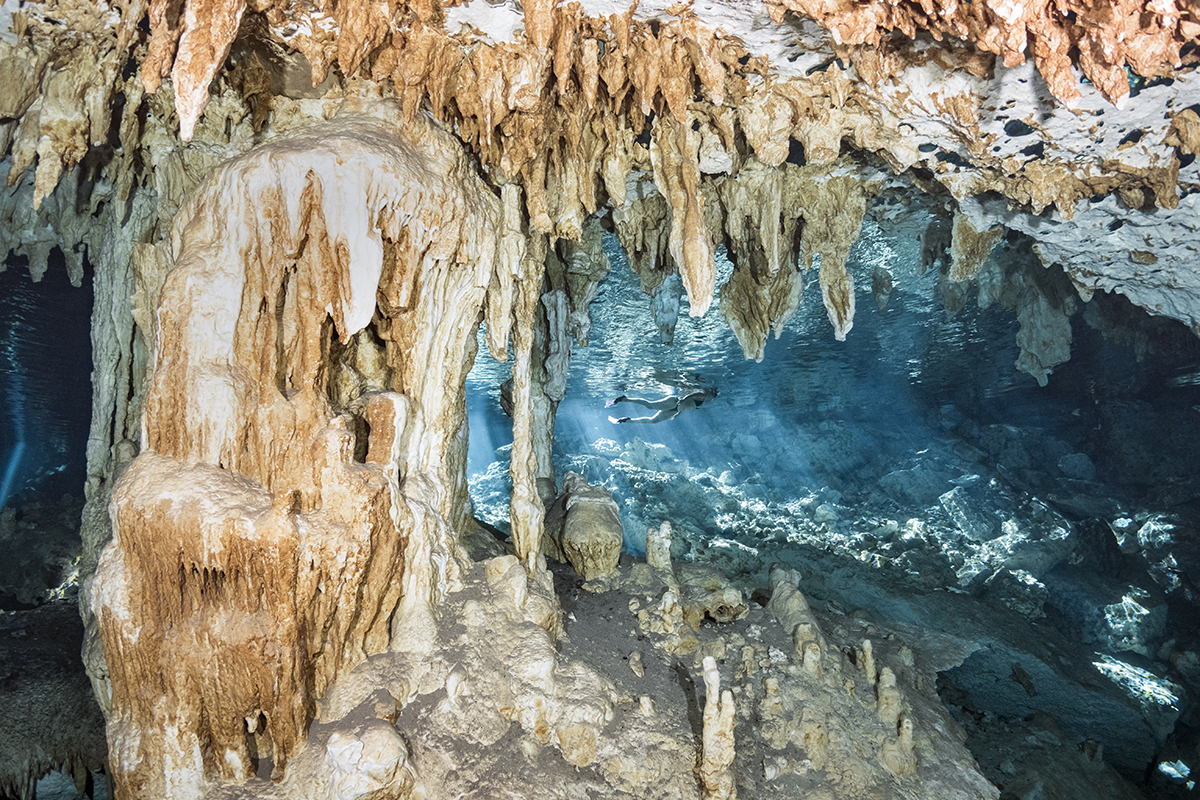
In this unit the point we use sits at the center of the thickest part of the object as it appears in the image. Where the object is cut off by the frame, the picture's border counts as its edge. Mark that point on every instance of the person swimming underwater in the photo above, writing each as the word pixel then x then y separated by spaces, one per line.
pixel 667 407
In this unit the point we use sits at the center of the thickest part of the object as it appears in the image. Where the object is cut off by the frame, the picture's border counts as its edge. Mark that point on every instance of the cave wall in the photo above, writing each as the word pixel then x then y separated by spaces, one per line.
pixel 304 401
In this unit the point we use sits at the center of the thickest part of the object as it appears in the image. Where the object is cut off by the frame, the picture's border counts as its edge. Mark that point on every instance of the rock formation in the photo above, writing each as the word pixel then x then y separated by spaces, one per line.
pixel 298 215
pixel 718 737
pixel 301 419
pixel 583 527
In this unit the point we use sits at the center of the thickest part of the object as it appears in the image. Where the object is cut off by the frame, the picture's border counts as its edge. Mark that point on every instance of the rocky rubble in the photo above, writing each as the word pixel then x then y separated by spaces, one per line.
pixel 50 719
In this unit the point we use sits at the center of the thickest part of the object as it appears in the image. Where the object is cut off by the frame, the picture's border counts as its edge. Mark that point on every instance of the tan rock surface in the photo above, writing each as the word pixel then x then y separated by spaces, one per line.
pixel 718 749
pixel 256 491
pixel 584 528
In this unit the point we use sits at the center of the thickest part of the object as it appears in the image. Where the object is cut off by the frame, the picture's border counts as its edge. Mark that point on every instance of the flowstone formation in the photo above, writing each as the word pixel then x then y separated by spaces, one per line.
pixel 302 374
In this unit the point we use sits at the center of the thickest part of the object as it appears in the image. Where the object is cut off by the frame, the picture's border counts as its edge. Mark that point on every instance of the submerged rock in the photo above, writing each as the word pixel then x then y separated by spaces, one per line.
pixel 583 527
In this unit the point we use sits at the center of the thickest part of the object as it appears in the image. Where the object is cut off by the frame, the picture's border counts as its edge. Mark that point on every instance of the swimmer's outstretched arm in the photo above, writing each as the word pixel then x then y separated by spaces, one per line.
pixel 670 401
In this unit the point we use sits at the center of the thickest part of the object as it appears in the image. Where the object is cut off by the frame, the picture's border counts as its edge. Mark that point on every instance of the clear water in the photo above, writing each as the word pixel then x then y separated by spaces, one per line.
pixel 45 384
pixel 816 414
pixel 869 461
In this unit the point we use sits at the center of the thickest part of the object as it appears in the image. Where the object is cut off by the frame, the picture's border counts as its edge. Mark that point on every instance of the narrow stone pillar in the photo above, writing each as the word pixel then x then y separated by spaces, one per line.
pixel 525 506
pixel 717 737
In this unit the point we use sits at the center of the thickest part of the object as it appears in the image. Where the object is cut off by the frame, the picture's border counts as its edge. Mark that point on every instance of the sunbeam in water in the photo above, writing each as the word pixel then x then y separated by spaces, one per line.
pixel 817 420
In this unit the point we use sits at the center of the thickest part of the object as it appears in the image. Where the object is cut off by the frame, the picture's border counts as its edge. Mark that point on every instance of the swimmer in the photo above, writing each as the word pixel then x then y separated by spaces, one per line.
pixel 667 407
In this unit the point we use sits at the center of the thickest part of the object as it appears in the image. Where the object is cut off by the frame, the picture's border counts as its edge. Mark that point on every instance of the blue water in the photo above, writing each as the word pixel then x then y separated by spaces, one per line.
pixel 818 415
pixel 45 384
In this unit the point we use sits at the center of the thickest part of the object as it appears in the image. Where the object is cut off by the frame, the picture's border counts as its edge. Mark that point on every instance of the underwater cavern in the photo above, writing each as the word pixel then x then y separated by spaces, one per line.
pixel 501 399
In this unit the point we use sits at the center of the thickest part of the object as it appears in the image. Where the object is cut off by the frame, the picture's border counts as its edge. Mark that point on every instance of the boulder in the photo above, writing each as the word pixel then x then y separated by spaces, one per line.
pixel 583 528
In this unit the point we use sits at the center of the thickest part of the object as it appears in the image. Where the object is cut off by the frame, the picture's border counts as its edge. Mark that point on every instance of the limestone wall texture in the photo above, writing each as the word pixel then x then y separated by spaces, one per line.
pixel 299 377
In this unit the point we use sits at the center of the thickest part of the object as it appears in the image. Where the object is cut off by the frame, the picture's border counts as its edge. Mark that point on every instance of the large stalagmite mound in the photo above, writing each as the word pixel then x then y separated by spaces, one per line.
pixel 311 337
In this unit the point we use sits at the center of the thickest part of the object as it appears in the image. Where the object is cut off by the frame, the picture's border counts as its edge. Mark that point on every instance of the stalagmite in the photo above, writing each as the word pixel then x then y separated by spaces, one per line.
pixel 373 763
pixel 718 749
pixel 583 527
pixel 868 661
pixel 792 611
pixel 813 664
pixel 658 548
pixel 889 699
pixel 899 754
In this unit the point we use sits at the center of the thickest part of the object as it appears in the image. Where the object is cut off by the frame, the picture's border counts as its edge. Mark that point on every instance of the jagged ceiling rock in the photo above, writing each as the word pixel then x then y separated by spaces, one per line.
pixel 975 98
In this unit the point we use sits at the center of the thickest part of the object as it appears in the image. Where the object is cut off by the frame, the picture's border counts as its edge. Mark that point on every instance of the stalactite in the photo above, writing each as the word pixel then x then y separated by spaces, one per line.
pixel 643 229
pixel 673 150
pixel 762 226
pixel 771 215
pixel 833 218
pixel 1098 32
pixel 969 248
pixel 586 267
pixel 322 409
pixel 209 27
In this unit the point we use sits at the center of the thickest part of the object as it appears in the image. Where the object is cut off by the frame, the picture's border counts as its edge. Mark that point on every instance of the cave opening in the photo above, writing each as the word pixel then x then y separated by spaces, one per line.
pixel 45 385
pixel 912 469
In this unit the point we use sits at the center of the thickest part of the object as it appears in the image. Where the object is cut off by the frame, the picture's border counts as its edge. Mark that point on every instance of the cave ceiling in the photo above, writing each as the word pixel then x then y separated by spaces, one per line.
pixel 1071 122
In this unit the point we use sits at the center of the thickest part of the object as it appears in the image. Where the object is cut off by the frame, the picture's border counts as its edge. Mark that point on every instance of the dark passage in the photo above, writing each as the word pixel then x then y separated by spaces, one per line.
pixel 45 382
